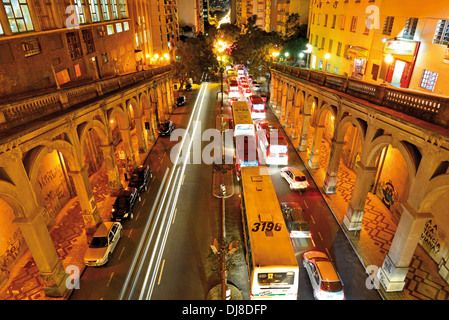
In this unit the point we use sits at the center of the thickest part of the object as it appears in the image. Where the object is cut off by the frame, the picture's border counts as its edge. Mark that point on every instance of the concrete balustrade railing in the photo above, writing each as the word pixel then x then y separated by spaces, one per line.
pixel 428 107
pixel 23 110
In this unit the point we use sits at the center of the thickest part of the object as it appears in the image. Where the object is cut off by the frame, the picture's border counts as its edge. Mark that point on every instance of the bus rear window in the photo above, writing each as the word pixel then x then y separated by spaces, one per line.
pixel 280 149
pixel 258 106
pixel 278 278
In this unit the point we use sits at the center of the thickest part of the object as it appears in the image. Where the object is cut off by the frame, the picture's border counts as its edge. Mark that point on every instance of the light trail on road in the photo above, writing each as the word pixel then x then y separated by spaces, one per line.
pixel 139 284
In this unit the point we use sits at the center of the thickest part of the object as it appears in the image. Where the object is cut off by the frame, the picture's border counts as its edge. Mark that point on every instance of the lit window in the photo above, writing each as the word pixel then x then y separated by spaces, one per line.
pixel 1 29
pixel 114 9
pixel 110 29
pixel 428 80
pixel 125 26
pixel 118 27
pixel 105 9
pixel 31 47
pixel 18 15
pixel 93 4
pixel 80 6
pixel 123 9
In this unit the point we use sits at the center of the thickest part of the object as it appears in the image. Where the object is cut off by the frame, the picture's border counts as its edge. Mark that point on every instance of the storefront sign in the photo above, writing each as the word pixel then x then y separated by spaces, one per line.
pixel 358 52
pixel 403 48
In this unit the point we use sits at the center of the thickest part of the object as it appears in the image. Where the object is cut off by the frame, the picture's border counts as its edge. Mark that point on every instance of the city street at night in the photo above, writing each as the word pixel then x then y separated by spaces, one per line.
pixel 210 157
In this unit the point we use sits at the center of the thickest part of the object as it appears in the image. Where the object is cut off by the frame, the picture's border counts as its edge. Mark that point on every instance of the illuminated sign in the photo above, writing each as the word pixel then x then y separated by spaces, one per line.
pixel 403 48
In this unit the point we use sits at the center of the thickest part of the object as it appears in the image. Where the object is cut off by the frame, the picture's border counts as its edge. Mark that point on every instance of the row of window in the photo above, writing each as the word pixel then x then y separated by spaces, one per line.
pixel 31 46
pixel 441 33
pixel 19 17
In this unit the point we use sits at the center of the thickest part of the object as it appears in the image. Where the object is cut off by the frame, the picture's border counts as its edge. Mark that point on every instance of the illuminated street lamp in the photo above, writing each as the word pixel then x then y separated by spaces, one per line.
pixel 301 55
pixel 308 51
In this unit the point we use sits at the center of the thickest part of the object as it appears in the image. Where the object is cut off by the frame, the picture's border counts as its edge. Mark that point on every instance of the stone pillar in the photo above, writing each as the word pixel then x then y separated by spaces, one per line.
pixel 274 88
pixel 91 216
pixel 143 148
pixel 302 146
pixel 127 144
pixel 330 181
pixel 396 264
pixel 40 244
pixel 288 110
pixel 111 167
pixel 314 161
pixel 363 184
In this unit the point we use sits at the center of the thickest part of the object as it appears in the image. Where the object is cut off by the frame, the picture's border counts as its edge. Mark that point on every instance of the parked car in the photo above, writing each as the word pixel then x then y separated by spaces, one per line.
pixel 295 178
pixel 297 225
pixel 123 207
pixel 257 87
pixel 166 128
pixel 189 87
pixel 103 243
pixel 140 178
pixel 181 101
pixel 325 280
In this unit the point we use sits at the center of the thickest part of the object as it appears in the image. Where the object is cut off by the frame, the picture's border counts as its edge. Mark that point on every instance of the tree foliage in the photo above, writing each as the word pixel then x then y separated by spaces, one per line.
pixel 195 59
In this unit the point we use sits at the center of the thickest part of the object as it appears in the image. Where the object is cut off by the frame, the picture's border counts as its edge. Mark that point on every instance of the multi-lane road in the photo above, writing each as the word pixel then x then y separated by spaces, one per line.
pixel 163 254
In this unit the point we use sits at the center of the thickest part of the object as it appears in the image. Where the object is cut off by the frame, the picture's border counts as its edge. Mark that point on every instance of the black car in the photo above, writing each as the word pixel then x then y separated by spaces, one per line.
pixel 189 87
pixel 166 128
pixel 181 101
pixel 123 207
pixel 140 178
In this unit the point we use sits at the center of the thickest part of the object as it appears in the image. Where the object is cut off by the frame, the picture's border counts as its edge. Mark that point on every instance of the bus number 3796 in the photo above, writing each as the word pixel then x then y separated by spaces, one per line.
pixel 266 226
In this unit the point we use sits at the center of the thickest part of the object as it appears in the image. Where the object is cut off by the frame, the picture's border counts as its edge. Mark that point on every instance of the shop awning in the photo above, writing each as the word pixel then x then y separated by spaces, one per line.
pixel 358 52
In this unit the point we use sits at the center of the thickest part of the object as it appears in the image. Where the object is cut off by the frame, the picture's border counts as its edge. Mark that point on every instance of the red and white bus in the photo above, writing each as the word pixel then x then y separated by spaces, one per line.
pixel 273 146
pixel 233 88
pixel 257 107
pixel 245 152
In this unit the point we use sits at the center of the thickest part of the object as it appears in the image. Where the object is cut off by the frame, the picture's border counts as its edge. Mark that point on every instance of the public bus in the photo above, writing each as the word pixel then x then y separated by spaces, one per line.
pixel 242 122
pixel 245 153
pixel 257 107
pixel 233 87
pixel 273 146
pixel 272 265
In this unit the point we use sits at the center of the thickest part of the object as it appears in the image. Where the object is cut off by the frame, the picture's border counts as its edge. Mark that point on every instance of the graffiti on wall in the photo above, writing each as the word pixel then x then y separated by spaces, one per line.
pixel 388 193
pixel 431 239
pixel 15 248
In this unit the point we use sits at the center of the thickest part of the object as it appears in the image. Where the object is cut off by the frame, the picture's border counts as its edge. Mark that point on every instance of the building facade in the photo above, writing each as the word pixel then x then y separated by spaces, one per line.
pixel 78 102
pixel 191 14
pixel 156 31
pixel 382 42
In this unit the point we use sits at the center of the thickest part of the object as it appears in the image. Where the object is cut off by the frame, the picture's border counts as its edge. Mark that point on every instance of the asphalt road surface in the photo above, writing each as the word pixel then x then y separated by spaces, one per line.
pixel 163 254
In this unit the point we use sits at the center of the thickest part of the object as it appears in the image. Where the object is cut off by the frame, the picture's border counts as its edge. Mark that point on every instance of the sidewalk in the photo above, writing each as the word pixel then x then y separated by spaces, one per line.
pixel 373 241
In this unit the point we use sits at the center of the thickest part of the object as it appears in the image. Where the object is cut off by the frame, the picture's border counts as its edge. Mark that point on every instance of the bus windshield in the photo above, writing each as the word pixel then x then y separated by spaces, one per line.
pixel 278 148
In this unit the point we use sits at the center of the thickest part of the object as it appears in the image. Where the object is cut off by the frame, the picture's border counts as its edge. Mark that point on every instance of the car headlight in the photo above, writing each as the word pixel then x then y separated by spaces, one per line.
pixel 125 215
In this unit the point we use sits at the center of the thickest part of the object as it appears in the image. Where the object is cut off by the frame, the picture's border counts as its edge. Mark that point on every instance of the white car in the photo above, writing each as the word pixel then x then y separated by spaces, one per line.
pixel 103 243
pixel 295 178
pixel 326 282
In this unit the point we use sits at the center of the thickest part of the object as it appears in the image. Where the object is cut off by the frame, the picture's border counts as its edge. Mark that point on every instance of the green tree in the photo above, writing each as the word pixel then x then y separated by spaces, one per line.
pixel 195 59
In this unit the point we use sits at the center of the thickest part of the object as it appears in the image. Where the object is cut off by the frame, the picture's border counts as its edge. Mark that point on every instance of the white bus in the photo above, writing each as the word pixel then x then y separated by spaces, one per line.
pixel 273 146
pixel 272 265
pixel 242 121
